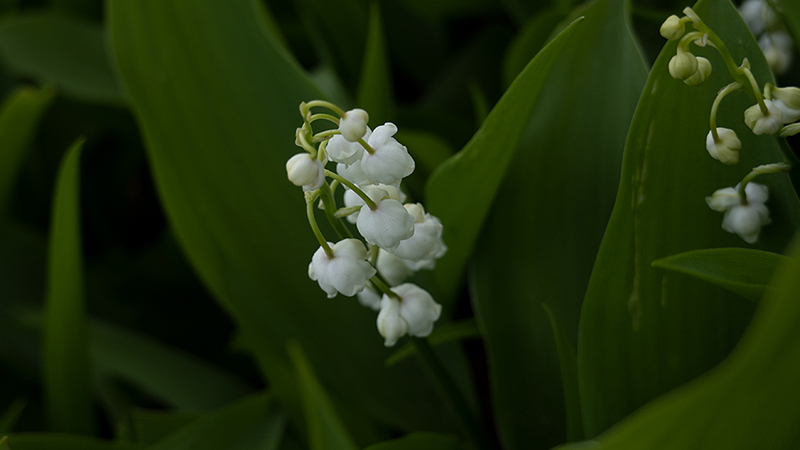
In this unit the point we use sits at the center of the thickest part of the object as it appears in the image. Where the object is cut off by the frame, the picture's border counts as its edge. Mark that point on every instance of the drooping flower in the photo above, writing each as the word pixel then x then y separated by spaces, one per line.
pixel 341 150
pixel 388 224
pixel 761 123
pixel 346 273
pixel 788 101
pixel 393 269
pixel 743 220
pixel 352 199
pixel 303 170
pixel 390 161
pixel 413 312
pixel 426 244
pixel 370 298
pixel 353 125
pixel 727 150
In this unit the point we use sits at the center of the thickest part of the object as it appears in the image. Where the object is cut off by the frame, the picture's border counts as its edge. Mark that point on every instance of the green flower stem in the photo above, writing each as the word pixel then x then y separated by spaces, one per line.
pixel 754 85
pixel 722 93
pixel 323 116
pixel 371 204
pixel 383 286
pixel 760 170
pixel 313 222
pixel 328 202
pixel 301 138
pixel 322 135
pixel 366 146
pixel 451 391
pixel 306 106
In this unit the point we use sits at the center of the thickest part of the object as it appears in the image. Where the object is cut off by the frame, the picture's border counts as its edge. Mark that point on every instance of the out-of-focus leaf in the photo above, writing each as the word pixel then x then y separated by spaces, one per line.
pixel 65 50
pixel 644 331
pixel 19 119
pixel 568 361
pixel 486 158
pixel 4 443
pixel 749 401
pixel 541 237
pixel 375 94
pixel 442 9
pixel 55 441
pixel 421 441
pixel 342 28
pixel 325 430
pixel 180 380
pixel 271 24
pixel 11 414
pixel 217 102
pixel 448 332
pixel 742 271
pixel 152 426
pixel 530 39
pixel 791 13
pixel 251 423
pixel 65 342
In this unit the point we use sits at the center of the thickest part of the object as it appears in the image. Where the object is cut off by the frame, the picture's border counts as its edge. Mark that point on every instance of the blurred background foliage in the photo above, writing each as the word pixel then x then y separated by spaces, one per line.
pixel 173 255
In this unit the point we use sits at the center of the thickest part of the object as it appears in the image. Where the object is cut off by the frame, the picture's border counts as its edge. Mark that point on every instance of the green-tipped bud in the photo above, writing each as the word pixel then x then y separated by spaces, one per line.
pixel 683 65
pixel 788 101
pixel 672 28
pixel 702 74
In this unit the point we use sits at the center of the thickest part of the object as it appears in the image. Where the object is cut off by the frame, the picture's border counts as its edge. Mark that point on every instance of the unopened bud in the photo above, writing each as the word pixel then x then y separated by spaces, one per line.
pixel 672 28
pixel 702 74
pixel 303 170
pixel 788 101
pixel 683 65
pixel 353 124
pixel 762 123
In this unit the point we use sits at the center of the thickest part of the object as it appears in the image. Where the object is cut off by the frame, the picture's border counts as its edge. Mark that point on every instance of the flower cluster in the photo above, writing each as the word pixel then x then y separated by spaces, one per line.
pixel 398 239
pixel 770 31
pixel 743 205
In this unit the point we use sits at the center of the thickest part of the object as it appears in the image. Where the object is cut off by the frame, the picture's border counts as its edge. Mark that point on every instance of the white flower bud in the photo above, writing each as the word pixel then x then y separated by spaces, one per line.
pixel 788 101
pixel 727 150
pixel 388 224
pixel 303 170
pixel 417 308
pixel 743 220
pixel 390 325
pixel 353 124
pixel 347 272
pixel 390 161
pixel 672 28
pixel 426 243
pixel 343 151
pixel 393 269
pixel 683 65
pixel 761 124
pixel 702 74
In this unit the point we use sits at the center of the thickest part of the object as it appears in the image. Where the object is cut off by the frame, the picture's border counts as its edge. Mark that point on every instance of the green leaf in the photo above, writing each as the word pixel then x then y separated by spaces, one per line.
pixel 568 361
pixel 375 86
pixel 644 331
pixel 448 332
pixel 742 271
pixel 485 158
pixel 151 426
pixel 325 430
pixel 749 401
pixel 65 347
pixel 55 441
pixel 217 101
pixel 341 28
pixel 70 52
pixel 160 370
pixel 421 441
pixel 4 443
pixel 540 241
pixel 791 14
pixel 530 39
pixel 251 423
pixel 10 416
pixel 19 119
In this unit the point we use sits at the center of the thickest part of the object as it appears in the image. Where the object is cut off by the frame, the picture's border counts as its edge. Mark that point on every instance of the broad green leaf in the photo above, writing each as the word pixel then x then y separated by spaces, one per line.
pixel 340 27
pixel 19 119
pixel 421 441
pixel 541 237
pixel 251 423
pixel 217 101
pixel 645 331
pixel 167 373
pixel 65 50
pixel 448 332
pixel 11 414
pixel 742 271
pixel 4 443
pixel 150 426
pixel 56 441
pixel 530 39
pixel 568 361
pixel 749 401
pixel 375 94
pixel 453 192
pixel 65 342
pixel 326 431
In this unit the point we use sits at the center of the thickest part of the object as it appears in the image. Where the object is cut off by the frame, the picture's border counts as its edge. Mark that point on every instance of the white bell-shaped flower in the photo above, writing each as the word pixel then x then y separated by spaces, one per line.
pixel 353 173
pixel 390 161
pixel 426 243
pixel 388 224
pixel 764 124
pixel 393 269
pixel 743 220
pixel 347 272
pixel 341 150
pixel 727 150
pixel 390 325
pixel 788 101
pixel 303 170
pixel 353 125
pixel 369 298
pixel 352 199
